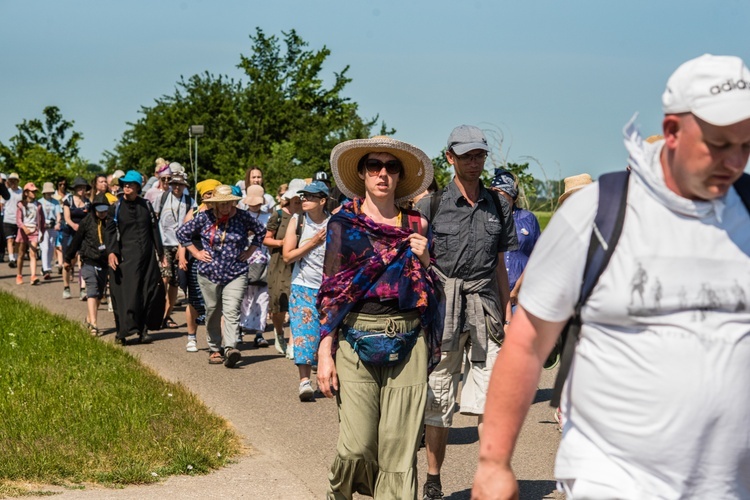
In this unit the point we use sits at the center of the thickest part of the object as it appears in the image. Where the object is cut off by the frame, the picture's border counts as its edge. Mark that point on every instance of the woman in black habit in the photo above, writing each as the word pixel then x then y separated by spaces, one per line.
pixel 133 242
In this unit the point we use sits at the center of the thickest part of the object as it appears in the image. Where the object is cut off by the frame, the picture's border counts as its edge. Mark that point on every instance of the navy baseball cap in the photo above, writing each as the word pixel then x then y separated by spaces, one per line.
pixel 315 187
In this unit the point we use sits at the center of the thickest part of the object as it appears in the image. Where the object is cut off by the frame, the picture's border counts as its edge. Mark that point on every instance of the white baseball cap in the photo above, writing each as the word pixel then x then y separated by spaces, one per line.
pixel 716 89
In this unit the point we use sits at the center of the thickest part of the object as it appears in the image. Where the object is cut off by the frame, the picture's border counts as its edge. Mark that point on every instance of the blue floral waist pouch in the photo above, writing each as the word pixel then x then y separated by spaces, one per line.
pixel 382 340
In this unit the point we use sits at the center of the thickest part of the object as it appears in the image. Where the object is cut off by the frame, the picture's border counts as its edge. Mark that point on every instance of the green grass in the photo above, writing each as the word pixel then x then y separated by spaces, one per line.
pixel 74 409
pixel 543 218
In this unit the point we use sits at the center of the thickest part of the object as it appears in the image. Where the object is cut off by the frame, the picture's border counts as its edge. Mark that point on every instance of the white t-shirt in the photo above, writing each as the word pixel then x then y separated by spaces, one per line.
pixel 308 271
pixel 11 205
pixel 172 217
pixel 657 399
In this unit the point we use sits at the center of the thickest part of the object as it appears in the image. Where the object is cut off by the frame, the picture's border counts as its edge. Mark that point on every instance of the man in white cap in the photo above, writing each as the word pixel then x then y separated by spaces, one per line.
pixel 655 402
pixel 472 229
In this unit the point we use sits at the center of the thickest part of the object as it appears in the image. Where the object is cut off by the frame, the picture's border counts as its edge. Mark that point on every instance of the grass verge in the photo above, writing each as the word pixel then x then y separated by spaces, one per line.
pixel 74 409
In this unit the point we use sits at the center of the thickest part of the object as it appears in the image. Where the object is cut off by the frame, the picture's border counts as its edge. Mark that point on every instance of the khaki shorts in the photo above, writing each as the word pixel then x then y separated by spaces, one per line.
pixel 442 387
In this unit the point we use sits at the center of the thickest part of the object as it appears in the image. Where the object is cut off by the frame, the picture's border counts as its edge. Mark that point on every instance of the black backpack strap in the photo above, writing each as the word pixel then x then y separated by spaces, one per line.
pixel 742 186
pixel 610 216
pixel 164 197
pixel 435 203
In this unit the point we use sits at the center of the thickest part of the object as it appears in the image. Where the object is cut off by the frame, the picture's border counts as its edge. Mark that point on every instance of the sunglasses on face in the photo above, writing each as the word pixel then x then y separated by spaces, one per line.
pixel 374 167
pixel 309 197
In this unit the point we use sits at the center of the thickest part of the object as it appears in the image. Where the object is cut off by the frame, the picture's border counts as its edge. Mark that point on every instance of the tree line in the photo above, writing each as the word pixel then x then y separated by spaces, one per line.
pixel 281 116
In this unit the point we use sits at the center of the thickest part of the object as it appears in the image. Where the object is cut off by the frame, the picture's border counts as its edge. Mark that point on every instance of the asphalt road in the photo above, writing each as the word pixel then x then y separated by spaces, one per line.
pixel 290 444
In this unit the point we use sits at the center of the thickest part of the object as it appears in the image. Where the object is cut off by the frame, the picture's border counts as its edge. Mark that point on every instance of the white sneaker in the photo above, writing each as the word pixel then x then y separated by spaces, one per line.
pixel 109 306
pixel 290 351
pixel 306 392
pixel 280 344
pixel 192 346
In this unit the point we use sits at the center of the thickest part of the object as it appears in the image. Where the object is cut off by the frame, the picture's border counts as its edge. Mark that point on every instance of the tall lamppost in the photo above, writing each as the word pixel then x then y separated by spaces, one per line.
pixel 195 131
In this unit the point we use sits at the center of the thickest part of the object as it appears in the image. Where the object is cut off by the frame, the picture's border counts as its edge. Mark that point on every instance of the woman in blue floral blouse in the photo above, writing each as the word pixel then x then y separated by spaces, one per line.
pixel 222 267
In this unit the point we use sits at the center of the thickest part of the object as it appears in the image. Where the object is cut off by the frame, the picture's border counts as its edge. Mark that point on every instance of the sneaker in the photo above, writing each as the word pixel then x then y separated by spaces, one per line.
pixel 215 358
pixel 34 280
pixel 260 341
pixel 82 295
pixel 12 264
pixel 145 337
pixel 192 346
pixel 432 491
pixel 19 280
pixel 109 307
pixel 290 351
pixel 240 339
pixel 66 292
pixel 306 392
pixel 47 276
pixel 280 344
pixel 231 357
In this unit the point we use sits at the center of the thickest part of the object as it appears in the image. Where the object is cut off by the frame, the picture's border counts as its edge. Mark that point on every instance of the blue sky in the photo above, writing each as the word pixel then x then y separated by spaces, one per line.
pixel 557 79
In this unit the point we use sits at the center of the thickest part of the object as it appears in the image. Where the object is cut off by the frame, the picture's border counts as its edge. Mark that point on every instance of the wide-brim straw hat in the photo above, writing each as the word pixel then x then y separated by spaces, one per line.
pixel 418 171
pixel 573 184
pixel 222 193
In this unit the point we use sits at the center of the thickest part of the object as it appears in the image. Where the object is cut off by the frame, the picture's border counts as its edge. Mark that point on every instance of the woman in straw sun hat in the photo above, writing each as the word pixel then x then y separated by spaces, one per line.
pixel 573 184
pixel 222 268
pixel 378 307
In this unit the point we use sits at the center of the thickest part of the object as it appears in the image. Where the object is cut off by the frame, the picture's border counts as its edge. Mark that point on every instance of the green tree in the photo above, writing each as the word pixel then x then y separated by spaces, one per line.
pixel 282 118
pixel 44 148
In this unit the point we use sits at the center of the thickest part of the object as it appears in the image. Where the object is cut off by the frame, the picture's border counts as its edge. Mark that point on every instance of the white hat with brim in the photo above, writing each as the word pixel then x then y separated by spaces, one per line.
pixel 295 187
pixel 222 193
pixel 345 157
pixel 573 184
pixel 716 89
pixel 48 188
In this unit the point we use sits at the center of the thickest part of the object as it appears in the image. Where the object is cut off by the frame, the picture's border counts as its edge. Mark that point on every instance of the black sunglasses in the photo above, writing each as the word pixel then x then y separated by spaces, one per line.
pixel 308 196
pixel 374 166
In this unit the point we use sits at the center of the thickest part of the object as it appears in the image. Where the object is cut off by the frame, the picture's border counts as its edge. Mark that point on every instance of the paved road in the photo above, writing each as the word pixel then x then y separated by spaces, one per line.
pixel 290 444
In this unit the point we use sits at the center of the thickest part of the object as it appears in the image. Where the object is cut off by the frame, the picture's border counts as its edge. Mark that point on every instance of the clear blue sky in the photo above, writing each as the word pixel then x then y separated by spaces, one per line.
pixel 557 78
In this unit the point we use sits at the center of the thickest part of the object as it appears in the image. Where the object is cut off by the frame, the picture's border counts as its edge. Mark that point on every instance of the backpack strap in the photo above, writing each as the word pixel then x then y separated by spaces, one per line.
pixel 435 199
pixel 300 227
pixel 610 216
pixel 413 221
pixel 164 197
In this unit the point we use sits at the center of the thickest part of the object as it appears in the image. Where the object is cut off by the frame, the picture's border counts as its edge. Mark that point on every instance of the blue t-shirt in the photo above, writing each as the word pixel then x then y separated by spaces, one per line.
pixel 52 209
pixel 528 231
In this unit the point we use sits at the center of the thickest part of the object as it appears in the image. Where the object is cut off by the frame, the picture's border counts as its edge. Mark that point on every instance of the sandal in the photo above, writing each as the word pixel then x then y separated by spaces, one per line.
pixel 215 358
pixel 169 323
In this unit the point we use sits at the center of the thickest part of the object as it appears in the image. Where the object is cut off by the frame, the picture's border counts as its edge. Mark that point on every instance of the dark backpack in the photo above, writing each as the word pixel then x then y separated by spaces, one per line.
pixel 610 215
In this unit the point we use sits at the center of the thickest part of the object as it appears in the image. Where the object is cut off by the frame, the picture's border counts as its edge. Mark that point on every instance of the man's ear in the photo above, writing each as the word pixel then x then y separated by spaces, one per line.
pixel 671 127
pixel 450 157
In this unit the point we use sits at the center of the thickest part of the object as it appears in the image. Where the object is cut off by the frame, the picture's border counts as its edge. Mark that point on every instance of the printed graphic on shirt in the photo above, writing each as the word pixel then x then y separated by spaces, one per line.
pixel 656 287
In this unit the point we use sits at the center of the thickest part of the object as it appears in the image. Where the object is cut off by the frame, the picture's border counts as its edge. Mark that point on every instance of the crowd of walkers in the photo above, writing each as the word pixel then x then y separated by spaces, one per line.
pixel 399 294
